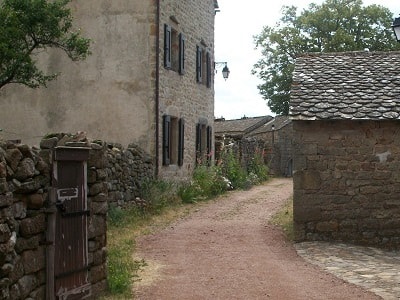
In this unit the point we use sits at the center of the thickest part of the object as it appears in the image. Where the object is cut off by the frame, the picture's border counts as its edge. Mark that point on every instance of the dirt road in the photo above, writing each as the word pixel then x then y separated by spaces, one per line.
pixel 228 250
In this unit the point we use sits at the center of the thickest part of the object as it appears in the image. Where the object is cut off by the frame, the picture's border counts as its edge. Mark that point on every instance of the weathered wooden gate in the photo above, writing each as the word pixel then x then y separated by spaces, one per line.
pixel 67 256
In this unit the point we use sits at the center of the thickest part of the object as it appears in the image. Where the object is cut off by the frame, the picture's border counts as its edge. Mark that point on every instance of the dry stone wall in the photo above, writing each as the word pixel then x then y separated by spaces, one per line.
pixel 347 182
pixel 114 176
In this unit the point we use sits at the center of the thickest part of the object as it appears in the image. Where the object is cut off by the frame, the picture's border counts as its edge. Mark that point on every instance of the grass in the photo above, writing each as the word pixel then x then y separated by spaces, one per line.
pixel 284 219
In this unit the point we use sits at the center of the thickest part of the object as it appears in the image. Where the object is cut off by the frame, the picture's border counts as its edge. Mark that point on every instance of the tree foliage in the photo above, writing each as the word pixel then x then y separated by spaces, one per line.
pixel 28 27
pixel 333 26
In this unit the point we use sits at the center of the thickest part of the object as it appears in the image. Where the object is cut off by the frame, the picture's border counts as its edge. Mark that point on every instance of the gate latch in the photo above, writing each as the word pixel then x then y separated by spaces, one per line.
pixel 66 194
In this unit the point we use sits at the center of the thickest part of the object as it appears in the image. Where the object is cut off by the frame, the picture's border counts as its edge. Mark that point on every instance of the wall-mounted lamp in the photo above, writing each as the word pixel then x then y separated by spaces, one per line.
pixel 225 69
pixel 396 28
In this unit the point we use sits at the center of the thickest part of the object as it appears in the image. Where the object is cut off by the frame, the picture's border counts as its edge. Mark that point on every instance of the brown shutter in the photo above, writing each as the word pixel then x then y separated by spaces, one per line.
pixel 166 140
pixel 167 46
pixel 208 69
pixel 199 63
pixel 182 41
pixel 198 141
pixel 181 144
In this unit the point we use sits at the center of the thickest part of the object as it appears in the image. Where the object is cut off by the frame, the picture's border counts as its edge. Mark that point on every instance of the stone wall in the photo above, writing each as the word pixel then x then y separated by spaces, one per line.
pixel 128 169
pixel 114 176
pixel 24 182
pixel 346 181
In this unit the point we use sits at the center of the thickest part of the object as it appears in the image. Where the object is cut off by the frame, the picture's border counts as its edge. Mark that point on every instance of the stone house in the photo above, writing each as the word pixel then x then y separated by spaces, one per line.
pixel 232 132
pixel 345 109
pixel 149 81
pixel 271 135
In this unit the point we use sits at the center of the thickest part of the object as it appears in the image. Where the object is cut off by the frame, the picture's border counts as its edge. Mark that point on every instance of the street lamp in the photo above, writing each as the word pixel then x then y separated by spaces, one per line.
pixel 396 28
pixel 225 69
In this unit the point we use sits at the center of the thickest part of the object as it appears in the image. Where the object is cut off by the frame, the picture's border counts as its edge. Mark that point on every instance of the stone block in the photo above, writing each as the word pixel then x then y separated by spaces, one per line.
pixel 26 285
pixel 49 143
pixel 97 188
pixel 307 180
pixel 97 226
pixel 102 197
pixel 13 157
pixel 5 233
pixel 98 273
pixel 35 201
pixel 99 208
pixel 6 199
pixel 19 210
pixel 327 226
pixel 34 260
pixel 3 170
pixel 24 244
pixel 32 226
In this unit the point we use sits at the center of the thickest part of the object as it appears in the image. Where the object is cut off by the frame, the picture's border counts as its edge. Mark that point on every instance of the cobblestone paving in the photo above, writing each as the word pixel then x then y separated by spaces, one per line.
pixel 375 269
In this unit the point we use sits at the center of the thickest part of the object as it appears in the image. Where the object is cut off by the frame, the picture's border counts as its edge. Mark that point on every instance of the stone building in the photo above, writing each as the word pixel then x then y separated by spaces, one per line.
pixel 276 136
pixel 232 132
pixel 271 135
pixel 149 81
pixel 345 109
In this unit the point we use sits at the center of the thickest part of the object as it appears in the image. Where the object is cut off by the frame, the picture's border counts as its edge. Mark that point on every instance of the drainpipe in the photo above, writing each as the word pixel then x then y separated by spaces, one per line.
pixel 157 102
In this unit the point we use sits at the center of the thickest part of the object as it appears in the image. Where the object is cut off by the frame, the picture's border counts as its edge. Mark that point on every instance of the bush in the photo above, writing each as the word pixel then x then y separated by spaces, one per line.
pixel 232 170
pixel 159 193
pixel 207 182
pixel 258 171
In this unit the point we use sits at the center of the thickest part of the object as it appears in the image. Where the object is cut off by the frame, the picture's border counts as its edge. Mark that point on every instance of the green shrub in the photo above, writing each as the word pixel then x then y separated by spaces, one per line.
pixel 207 182
pixel 159 194
pixel 256 168
pixel 115 215
pixel 233 171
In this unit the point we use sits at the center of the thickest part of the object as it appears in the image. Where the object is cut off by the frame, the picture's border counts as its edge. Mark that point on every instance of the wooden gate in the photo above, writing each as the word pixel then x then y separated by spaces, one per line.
pixel 67 268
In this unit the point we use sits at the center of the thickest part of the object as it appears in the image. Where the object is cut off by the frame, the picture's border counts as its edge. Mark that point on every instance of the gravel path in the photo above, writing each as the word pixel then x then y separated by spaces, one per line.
pixel 226 249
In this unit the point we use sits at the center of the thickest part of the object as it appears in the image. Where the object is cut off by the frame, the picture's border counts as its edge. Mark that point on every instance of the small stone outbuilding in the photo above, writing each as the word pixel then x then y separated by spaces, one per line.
pixel 345 109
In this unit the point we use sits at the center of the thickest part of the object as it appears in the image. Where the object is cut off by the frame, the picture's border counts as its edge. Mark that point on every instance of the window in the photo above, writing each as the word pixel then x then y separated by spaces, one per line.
pixel 203 142
pixel 174 50
pixel 173 140
pixel 203 67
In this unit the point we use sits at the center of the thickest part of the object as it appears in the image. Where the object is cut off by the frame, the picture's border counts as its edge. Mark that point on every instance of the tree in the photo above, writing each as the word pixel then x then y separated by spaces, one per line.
pixel 27 27
pixel 333 26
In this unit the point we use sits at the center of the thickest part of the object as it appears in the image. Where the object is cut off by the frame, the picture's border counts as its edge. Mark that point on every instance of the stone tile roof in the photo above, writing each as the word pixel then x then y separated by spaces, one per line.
pixel 278 122
pixel 239 127
pixel 348 85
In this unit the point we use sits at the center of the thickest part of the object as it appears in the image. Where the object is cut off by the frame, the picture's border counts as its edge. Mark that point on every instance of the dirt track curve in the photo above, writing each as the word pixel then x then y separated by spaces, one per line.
pixel 227 250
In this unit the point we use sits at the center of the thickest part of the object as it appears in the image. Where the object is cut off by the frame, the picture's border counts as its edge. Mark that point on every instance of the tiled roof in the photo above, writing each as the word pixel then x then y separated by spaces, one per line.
pixel 348 85
pixel 239 126
pixel 278 122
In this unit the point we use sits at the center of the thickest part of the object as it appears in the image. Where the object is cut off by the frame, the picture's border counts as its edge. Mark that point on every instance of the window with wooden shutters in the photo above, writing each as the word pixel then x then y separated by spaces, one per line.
pixel 199 64
pixel 173 140
pixel 182 41
pixel 208 69
pixel 203 141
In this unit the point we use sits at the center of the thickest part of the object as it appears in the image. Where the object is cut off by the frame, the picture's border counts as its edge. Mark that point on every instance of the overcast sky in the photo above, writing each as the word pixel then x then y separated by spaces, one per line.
pixel 235 25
